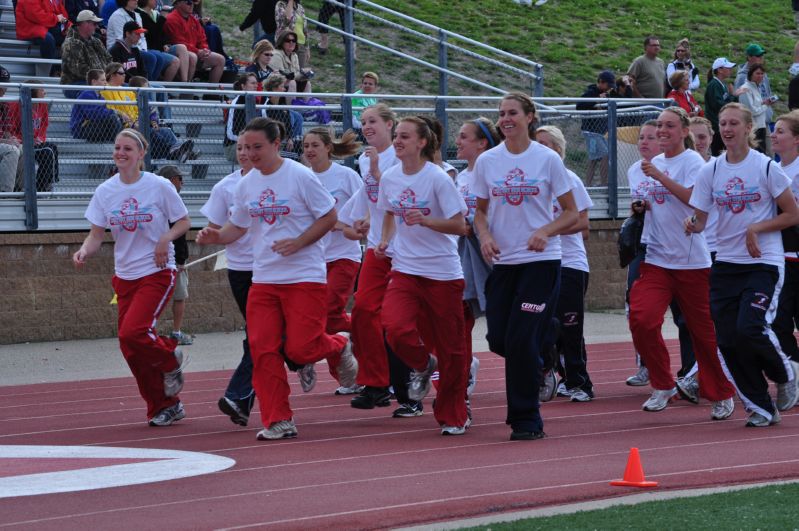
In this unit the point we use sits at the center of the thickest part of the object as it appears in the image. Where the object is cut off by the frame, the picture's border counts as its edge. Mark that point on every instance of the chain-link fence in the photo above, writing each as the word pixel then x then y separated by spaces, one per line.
pixel 65 146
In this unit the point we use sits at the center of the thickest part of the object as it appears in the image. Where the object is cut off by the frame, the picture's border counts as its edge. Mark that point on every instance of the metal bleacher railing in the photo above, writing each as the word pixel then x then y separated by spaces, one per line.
pixel 82 164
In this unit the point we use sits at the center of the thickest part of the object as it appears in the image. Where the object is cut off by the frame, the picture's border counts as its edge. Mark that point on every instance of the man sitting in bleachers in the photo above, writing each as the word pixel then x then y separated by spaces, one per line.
pixel 9 146
pixel 42 22
pixel 182 28
pixel 82 51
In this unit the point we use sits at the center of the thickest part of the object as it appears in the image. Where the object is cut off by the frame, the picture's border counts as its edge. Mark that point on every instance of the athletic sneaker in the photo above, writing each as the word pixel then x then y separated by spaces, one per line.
pixel 688 388
pixel 456 430
pixel 562 391
pixel 181 338
pixel 640 378
pixel 756 420
pixel 475 366
pixel 413 409
pixel 307 374
pixel 282 429
pixel 578 395
pixel 173 380
pixel 371 397
pixel 788 393
pixel 549 386
pixel 237 410
pixel 347 368
pixel 659 399
pixel 419 382
pixel 352 390
pixel 526 435
pixel 722 409
pixel 168 415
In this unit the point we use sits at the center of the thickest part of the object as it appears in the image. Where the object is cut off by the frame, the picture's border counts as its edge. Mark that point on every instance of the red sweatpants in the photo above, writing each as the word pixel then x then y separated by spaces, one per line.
pixel 408 296
pixel 298 312
pixel 340 283
pixel 649 298
pixel 140 303
pixel 367 329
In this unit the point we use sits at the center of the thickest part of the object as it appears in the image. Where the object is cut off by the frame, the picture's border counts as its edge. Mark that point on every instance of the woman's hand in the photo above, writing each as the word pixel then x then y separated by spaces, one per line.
pixel 287 246
pixel 650 170
pixel 380 250
pixel 538 241
pixel 79 258
pixel 489 248
pixel 162 253
pixel 689 224
pixel 361 226
pixel 638 206
pixel 374 158
pixel 414 217
pixel 752 246
pixel 207 236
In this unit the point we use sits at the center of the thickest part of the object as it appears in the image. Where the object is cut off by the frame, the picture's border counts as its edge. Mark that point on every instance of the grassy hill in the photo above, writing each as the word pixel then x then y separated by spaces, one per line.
pixel 574 39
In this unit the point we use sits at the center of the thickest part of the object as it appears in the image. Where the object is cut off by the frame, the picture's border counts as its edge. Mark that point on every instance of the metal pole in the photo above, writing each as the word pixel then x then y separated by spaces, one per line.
pixel 250 111
pixel 349 49
pixel 28 161
pixel 443 89
pixel 143 102
pixel 539 81
pixel 613 182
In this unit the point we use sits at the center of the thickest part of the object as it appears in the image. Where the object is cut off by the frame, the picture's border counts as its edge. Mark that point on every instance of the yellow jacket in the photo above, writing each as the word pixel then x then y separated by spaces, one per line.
pixel 131 111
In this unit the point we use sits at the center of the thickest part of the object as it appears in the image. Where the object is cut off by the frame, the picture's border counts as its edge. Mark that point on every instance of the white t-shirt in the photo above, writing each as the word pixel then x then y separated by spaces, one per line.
pixel 282 205
pixel 742 194
pixel 419 250
pixel 639 188
pixel 138 215
pixel 572 245
pixel 520 189
pixel 465 182
pixel 712 220
pixel 387 159
pixel 667 245
pixel 792 171
pixel 342 183
pixel 218 210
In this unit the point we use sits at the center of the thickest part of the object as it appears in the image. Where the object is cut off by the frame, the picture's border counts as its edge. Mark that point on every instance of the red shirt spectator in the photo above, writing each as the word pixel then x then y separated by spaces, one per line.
pixel 35 17
pixel 185 30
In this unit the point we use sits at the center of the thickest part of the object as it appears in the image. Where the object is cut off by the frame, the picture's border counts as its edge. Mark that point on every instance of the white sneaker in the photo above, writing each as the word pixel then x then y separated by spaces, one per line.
pixel 788 393
pixel 562 391
pixel 722 409
pixel 456 430
pixel 548 387
pixel 659 399
pixel 173 380
pixel 578 395
pixel 419 382
pixel 282 429
pixel 688 388
pixel 640 378
pixel 353 390
pixel 347 369
pixel 307 374
pixel 472 376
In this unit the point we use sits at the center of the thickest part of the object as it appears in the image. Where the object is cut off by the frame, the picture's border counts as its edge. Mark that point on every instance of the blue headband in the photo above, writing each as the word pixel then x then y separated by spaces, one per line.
pixel 484 129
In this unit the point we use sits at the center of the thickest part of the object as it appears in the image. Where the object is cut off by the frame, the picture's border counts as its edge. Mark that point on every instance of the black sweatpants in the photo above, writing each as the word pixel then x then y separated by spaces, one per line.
pixel 787 318
pixel 520 303
pixel 571 314
pixel 743 302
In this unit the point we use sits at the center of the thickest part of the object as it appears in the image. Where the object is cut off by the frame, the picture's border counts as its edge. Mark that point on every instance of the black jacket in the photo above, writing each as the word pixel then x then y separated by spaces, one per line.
pixel 264 11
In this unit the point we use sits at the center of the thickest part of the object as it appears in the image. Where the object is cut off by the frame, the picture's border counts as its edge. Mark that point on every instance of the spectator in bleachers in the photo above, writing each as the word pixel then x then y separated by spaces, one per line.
pixel 682 61
pixel 680 80
pixel 182 28
pixel 43 22
pixel 290 16
pixel 74 7
pixel 647 71
pixel 291 119
pixel 45 153
pixel 369 83
pixel 287 63
pixel 237 118
pixel 212 32
pixel 164 142
pixel 759 107
pixel 325 12
pixel 82 51
pixel 594 128
pixel 154 22
pixel 9 146
pixel 262 11
pixel 261 56
pixel 159 64
pixel 94 122
pixel 126 51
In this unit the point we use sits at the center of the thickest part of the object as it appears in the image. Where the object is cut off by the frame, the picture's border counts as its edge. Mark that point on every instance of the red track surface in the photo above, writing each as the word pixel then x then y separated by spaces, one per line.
pixel 358 469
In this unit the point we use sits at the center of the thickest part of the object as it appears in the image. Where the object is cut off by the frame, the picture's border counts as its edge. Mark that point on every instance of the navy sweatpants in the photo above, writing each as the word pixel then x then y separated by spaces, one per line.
pixel 520 302
pixel 571 314
pixel 787 317
pixel 743 302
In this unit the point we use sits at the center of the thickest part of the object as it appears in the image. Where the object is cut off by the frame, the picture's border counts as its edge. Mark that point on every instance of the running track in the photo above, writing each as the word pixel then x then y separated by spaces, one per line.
pixel 358 469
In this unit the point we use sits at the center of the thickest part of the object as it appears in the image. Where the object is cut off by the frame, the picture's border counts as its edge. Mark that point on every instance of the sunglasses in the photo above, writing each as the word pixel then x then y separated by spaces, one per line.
pixel 269 54
pixel 290 40
pixel 122 73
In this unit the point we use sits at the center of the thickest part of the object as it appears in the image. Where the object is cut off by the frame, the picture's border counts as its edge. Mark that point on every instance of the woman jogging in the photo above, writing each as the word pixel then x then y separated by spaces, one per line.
pixel 138 207
pixel 422 209
pixel 287 211
pixel 746 188
pixel 515 184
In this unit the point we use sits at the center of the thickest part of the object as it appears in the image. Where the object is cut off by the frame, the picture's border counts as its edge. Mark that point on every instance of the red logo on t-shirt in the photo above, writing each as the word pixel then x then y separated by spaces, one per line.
pixel 736 196
pixel 515 188
pixel 408 202
pixel 268 207
pixel 372 187
pixel 130 215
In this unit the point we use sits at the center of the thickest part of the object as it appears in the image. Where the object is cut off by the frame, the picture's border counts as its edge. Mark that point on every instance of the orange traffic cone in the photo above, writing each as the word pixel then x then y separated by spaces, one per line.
pixel 634 473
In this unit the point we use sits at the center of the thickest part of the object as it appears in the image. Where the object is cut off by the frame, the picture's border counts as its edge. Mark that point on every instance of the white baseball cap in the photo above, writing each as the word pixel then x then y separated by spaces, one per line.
pixel 722 62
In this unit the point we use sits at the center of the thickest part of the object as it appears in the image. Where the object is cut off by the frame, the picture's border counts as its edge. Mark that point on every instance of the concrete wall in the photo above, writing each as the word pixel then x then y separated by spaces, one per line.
pixel 43 297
